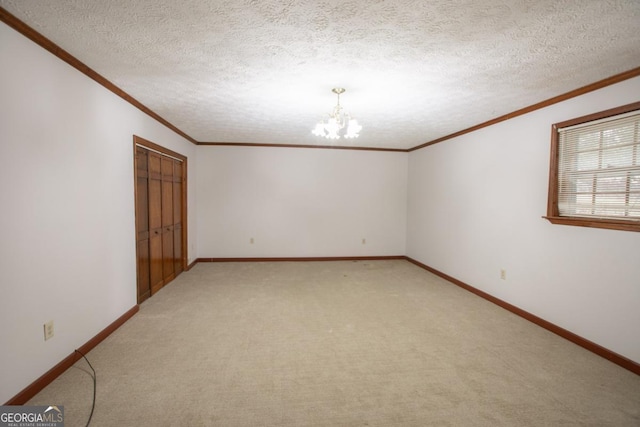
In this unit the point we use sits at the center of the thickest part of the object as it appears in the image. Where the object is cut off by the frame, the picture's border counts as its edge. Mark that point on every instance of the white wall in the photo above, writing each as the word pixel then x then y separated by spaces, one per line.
pixel 475 207
pixel 66 181
pixel 300 202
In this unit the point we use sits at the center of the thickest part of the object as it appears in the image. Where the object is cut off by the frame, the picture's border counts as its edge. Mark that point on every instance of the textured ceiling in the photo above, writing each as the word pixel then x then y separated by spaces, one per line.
pixel 257 71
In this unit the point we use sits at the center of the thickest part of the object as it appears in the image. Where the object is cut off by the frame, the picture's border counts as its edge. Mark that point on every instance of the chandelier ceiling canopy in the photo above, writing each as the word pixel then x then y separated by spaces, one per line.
pixel 338 119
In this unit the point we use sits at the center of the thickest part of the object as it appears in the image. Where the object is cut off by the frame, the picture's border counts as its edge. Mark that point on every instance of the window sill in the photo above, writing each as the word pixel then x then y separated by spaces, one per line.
pixel 611 224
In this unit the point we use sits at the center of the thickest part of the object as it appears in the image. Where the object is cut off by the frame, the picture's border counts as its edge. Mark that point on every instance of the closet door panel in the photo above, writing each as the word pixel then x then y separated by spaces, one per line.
pixel 167 257
pixel 177 192
pixel 177 249
pixel 142 193
pixel 155 222
pixel 155 249
pixel 144 270
pixel 155 192
pixel 167 192
pixel 167 219
pixel 177 216
pixel 142 225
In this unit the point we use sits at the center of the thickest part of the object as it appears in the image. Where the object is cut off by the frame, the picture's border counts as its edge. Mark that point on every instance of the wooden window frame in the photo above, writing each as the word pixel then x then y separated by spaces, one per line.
pixel 553 213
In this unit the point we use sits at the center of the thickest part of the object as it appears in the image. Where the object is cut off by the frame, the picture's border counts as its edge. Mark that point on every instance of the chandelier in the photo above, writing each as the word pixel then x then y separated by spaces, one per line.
pixel 338 120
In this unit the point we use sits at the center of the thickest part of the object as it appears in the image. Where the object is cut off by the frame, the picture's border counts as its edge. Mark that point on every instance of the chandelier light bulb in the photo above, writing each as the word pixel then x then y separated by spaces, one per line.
pixel 352 129
pixel 318 130
pixel 338 120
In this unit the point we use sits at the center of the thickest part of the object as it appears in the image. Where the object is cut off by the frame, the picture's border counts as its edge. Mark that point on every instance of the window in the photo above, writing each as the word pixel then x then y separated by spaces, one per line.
pixel 594 178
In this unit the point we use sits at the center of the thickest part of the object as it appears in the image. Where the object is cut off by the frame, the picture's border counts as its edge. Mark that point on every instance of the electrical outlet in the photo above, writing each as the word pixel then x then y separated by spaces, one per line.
pixel 364 241
pixel 251 240
pixel 503 274
pixel 48 330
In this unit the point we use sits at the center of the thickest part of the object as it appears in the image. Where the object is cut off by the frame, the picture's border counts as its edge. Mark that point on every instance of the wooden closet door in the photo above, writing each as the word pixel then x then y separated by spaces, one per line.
pixel 155 222
pixel 177 216
pixel 160 187
pixel 167 219
pixel 142 224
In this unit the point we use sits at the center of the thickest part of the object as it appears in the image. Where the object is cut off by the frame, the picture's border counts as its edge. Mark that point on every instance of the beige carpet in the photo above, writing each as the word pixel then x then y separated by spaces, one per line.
pixel 368 343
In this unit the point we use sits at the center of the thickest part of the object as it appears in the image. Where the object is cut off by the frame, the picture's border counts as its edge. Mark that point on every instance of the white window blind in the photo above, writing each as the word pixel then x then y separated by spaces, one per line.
pixel 599 168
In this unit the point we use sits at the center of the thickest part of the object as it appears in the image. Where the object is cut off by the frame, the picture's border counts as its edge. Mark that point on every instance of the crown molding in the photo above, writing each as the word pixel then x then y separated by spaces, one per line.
pixel 326 147
pixel 556 99
pixel 65 56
